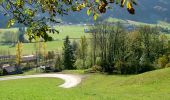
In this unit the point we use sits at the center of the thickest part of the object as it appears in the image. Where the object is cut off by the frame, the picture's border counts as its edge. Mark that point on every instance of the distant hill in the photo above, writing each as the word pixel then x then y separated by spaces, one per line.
pixel 148 11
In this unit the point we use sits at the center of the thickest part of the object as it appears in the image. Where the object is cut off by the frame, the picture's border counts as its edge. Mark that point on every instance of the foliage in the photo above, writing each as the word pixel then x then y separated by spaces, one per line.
pixel 25 12
pixel 1 72
pixel 68 54
pixel 18 53
pixel 97 68
pixel 21 37
pixel 127 52
pixel 79 64
pixel 27 66
pixel 163 61
pixel 94 69
pixel 83 49
pixel 50 55
pixel 167 65
pixel 58 64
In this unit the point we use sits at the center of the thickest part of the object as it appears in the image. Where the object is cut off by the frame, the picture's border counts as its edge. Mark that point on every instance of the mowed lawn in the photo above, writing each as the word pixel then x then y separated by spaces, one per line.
pixel 153 85
pixel 73 31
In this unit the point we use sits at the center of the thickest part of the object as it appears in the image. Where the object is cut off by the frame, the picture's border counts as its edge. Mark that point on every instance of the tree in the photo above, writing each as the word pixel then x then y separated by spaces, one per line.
pixel 58 64
pixel 21 34
pixel 18 53
pixel 108 43
pixel 83 49
pixel 162 61
pixel 68 54
pixel 26 11
pixel 44 52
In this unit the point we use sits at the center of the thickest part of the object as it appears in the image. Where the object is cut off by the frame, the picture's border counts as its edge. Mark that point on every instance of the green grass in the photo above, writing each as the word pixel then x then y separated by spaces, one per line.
pixel 29 48
pixel 72 31
pixel 168 35
pixel 148 86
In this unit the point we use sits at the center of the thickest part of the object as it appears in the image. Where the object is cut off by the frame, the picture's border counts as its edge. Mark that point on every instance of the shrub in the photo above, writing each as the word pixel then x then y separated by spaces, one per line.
pixel 26 67
pixel 88 62
pixel 132 67
pixel 98 61
pixel 58 65
pixel 162 61
pixel 79 64
pixel 167 65
pixel 97 68
pixel 1 72
pixel 119 66
pixel 94 69
pixel 145 68
pixel 107 67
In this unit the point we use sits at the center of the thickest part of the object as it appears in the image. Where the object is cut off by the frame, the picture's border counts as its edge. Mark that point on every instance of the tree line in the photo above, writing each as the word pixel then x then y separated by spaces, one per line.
pixel 113 49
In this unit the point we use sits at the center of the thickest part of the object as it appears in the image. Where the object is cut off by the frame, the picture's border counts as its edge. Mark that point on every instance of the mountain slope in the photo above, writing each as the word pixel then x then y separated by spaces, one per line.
pixel 148 11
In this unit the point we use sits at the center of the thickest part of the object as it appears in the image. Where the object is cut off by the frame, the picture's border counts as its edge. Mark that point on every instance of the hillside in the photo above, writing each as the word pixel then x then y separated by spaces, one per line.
pixel 148 86
pixel 148 11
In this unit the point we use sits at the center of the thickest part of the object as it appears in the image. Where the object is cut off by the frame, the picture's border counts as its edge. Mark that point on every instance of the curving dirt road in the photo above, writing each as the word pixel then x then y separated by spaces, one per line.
pixel 70 80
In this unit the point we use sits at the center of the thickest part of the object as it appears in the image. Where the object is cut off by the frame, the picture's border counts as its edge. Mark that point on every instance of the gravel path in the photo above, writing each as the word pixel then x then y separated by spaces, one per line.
pixel 70 80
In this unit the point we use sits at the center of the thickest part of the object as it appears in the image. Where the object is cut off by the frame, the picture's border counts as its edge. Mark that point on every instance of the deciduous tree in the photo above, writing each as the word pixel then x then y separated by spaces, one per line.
pixel 35 14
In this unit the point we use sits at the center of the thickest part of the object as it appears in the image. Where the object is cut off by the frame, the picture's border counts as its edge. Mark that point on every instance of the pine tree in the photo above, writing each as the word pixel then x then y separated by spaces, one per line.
pixel 68 54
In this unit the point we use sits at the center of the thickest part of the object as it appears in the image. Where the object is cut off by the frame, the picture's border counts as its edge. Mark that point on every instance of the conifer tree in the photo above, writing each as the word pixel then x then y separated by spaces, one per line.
pixel 68 54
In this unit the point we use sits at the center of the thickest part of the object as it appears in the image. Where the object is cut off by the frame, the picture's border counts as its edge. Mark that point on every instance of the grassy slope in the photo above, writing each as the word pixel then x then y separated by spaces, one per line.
pixel 29 48
pixel 148 86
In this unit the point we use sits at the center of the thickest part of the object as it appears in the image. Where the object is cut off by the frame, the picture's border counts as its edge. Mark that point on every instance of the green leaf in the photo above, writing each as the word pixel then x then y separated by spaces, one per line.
pixel 95 16
pixel 10 23
pixel 117 1
pixel 89 12
pixel 8 6
pixel 97 1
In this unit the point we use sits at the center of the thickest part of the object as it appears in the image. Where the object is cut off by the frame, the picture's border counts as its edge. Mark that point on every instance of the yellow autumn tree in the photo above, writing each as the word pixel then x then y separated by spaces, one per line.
pixel 19 53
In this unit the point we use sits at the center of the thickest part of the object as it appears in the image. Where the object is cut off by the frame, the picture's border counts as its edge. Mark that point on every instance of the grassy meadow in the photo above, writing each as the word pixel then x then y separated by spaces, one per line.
pixel 73 31
pixel 147 86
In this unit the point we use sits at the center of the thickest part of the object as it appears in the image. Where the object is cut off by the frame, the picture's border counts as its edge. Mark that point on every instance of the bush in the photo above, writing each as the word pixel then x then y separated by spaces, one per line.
pixel 58 65
pixel 94 69
pixel 1 72
pixel 145 68
pixel 132 67
pixel 162 61
pixel 167 65
pixel 97 68
pixel 88 62
pixel 26 67
pixel 107 67
pixel 119 66
pixel 79 64
pixel 98 61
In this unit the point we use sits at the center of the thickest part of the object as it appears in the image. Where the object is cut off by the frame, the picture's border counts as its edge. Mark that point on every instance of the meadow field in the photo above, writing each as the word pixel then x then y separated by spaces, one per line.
pixel 152 85
pixel 73 31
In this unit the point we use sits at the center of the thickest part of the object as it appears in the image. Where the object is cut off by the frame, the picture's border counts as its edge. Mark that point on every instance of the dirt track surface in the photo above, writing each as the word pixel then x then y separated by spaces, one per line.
pixel 70 80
